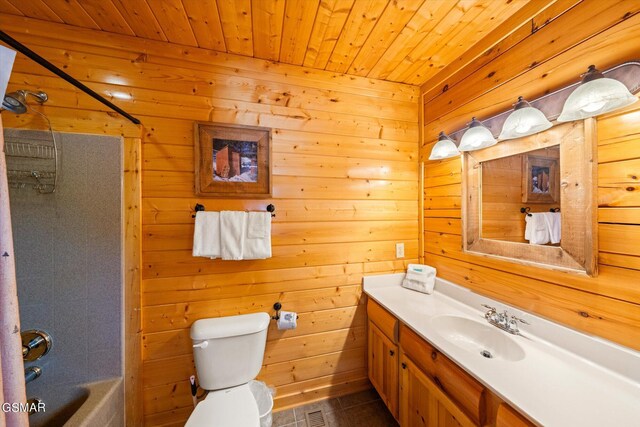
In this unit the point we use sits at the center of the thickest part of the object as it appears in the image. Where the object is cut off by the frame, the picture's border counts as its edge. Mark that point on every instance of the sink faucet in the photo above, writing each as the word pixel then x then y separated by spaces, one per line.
pixel 491 313
pixel 502 320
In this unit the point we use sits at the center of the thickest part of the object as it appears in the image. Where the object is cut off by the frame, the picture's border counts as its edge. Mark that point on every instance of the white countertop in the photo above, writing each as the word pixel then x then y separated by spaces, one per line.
pixel 565 379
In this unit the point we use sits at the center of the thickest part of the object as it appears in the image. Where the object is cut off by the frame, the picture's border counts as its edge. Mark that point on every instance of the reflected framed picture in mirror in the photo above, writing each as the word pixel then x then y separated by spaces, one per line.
pixel 540 179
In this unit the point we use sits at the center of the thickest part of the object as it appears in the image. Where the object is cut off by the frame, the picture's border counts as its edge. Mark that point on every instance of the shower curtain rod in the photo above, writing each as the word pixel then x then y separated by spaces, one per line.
pixel 49 66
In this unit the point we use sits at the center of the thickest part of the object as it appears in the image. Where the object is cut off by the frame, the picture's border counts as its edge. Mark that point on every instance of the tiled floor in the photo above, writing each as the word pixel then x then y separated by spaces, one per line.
pixel 354 410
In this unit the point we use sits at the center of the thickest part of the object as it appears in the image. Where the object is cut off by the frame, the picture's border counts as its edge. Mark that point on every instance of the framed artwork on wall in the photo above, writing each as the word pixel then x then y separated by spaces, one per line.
pixel 232 160
pixel 540 179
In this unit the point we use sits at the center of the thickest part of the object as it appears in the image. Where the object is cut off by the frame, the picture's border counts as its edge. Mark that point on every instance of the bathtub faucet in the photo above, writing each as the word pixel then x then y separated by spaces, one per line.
pixel 35 344
pixel 31 373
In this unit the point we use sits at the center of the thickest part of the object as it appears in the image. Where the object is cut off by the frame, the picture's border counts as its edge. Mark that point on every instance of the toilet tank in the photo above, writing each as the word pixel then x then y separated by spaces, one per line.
pixel 228 351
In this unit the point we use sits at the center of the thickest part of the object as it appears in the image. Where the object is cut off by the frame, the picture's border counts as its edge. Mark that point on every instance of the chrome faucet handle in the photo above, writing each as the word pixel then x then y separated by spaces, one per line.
pixel 503 318
pixel 491 312
pixel 513 325
pixel 517 319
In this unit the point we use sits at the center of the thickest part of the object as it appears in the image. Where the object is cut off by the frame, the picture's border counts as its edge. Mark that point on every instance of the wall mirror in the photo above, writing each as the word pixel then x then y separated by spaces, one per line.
pixel 532 200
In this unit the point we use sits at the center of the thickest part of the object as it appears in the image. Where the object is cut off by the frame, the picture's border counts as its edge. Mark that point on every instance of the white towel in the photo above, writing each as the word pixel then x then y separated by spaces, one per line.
pixel 420 277
pixel 554 225
pixel 257 241
pixel 206 235
pixel 232 231
pixel 536 230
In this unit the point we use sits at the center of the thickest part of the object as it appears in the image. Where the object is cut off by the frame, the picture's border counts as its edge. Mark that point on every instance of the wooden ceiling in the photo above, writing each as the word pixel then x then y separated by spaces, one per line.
pixel 406 41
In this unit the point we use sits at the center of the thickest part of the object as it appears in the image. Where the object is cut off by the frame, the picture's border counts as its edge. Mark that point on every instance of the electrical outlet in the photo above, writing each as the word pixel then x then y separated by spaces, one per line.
pixel 399 250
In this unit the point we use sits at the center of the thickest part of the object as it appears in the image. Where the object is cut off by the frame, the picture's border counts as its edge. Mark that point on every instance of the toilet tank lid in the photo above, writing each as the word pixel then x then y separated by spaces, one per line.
pixel 229 326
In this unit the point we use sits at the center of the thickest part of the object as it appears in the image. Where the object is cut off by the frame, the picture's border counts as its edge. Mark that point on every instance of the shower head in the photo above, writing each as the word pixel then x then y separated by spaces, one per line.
pixel 16 102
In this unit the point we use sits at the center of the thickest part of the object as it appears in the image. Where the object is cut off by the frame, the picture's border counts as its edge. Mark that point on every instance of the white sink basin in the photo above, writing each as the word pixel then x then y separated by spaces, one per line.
pixel 478 338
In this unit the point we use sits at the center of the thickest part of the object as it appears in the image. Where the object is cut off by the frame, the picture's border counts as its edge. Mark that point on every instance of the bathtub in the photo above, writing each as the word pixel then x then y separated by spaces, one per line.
pixel 99 404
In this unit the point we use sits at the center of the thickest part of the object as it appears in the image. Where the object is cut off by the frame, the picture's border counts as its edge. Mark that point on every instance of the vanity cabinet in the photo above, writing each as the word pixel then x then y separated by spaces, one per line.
pixel 423 403
pixel 460 389
pixel 424 388
pixel 383 367
pixel 383 355
pixel 509 417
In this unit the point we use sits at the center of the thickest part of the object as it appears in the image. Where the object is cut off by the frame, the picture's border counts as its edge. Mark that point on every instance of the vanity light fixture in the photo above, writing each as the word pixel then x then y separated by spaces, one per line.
pixel 619 84
pixel 476 137
pixel 444 148
pixel 595 95
pixel 523 121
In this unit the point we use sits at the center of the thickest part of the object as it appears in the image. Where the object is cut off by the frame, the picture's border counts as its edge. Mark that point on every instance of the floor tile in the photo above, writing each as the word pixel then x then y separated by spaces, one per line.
pixel 374 414
pixel 283 418
pixel 336 419
pixel 359 398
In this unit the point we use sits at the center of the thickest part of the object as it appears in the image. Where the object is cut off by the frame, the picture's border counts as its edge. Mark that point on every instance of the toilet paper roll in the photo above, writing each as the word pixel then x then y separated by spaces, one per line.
pixel 287 320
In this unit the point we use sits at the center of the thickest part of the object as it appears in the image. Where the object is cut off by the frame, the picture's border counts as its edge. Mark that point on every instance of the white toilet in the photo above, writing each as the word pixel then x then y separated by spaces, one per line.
pixel 228 353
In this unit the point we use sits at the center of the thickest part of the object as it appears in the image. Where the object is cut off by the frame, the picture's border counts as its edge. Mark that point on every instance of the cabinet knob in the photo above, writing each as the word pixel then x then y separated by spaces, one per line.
pixel 434 355
pixel 391 352
pixel 404 366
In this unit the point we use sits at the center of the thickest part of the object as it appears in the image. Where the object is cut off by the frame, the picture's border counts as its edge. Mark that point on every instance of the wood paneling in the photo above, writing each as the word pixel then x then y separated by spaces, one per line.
pixel 607 305
pixel 345 187
pixel 406 41
pixel 132 194
pixel 559 49
pixel 268 17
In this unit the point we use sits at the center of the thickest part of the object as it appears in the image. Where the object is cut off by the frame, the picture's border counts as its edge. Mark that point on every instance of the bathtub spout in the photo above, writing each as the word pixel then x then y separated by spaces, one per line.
pixel 31 373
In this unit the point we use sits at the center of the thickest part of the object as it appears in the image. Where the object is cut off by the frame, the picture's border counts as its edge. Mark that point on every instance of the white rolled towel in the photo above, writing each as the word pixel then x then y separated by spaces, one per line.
pixel 420 277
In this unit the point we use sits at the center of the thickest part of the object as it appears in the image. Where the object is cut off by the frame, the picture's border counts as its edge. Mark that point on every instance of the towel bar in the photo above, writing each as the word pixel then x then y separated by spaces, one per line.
pixel 199 207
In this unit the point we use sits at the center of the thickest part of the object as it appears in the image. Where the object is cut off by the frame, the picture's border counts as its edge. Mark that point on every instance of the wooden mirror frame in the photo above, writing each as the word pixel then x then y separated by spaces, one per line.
pixel 578 205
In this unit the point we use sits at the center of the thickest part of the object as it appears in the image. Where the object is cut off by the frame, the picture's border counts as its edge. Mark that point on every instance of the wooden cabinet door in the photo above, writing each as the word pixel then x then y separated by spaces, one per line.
pixel 383 367
pixel 509 417
pixel 423 404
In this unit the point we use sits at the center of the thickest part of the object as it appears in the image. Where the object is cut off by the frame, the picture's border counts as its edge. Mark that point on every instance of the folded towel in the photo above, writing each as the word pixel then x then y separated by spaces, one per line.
pixel 536 230
pixel 554 225
pixel 420 277
pixel 257 240
pixel 258 225
pixel 206 235
pixel 232 231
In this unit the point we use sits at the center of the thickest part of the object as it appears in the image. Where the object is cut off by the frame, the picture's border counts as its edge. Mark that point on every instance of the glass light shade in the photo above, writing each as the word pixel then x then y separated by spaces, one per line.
pixel 476 137
pixel 594 96
pixel 444 148
pixel 523 121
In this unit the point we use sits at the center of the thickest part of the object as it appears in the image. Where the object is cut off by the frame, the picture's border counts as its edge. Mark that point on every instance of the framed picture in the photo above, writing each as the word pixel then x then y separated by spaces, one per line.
pixel 232 160
pixel 540 179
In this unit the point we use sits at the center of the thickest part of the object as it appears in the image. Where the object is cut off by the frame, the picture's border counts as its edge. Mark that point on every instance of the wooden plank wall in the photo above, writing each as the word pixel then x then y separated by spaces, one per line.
pixel 547 53
pixel 345 186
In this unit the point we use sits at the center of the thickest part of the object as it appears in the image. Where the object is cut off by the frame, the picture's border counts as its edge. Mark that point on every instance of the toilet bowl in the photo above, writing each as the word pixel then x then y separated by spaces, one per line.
pixel 232 407
pixel 228 354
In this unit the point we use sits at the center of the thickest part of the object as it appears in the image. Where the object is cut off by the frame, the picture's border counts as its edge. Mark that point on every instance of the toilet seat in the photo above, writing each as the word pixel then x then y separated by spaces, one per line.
pixel 231 407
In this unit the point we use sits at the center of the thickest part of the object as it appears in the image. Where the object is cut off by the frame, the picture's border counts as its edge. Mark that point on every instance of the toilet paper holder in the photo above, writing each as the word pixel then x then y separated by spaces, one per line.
pixel 277 307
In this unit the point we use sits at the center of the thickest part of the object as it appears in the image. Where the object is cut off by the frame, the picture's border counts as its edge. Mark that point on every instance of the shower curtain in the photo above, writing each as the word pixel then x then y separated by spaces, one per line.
pixel 12 373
